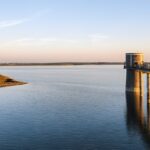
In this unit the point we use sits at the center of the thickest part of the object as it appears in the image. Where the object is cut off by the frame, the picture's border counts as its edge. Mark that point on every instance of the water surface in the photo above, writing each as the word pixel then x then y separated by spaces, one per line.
pixel 68 108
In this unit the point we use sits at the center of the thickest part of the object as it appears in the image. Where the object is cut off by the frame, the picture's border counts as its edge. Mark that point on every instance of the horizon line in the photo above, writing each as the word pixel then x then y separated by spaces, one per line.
pixel 61 63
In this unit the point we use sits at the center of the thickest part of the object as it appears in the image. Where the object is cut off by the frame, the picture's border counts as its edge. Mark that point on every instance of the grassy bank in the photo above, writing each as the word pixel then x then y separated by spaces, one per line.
pixel 6 81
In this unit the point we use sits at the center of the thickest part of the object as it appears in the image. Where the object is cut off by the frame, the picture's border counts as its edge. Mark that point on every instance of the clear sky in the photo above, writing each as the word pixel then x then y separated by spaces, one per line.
pixel 73 30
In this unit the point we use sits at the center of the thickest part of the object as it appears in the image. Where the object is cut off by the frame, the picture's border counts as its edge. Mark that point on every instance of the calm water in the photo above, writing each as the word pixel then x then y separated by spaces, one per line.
pixel 70 108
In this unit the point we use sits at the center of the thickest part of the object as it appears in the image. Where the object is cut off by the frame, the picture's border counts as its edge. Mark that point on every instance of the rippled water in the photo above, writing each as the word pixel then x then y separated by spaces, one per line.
pixel 69 108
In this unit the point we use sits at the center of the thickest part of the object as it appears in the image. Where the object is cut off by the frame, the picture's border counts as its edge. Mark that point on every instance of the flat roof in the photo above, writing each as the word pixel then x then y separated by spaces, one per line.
pixel 134 54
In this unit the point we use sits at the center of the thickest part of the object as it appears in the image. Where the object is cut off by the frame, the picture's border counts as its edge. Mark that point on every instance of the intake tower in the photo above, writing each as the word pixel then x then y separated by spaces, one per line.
pixel 136 68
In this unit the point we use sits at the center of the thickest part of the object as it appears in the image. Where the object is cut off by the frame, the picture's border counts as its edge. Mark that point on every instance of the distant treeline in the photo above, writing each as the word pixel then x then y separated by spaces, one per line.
pixel 61 63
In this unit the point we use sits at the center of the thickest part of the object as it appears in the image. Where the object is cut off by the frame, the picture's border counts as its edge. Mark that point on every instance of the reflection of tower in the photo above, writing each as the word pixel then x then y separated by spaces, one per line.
pixel 135 116
pixel 134 76
pixel 148 118
pixel 135 112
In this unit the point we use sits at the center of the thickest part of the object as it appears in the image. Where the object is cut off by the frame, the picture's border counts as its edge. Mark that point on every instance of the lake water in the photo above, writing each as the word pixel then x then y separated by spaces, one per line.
pixel 70 108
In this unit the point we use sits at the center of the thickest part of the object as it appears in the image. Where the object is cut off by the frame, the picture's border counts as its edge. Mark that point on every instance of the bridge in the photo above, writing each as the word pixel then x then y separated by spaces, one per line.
pixel 145 68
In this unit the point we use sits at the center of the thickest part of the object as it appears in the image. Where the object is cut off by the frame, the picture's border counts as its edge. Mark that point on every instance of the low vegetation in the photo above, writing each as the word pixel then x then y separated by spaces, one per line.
pixel 6 81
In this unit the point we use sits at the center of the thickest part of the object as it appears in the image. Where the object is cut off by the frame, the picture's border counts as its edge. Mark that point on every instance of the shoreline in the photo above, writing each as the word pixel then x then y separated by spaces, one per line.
pixel 6 81
pixel 62 64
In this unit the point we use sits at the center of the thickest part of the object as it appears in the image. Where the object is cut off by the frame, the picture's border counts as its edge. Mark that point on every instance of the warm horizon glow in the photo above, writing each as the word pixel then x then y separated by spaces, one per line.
pixel 73 31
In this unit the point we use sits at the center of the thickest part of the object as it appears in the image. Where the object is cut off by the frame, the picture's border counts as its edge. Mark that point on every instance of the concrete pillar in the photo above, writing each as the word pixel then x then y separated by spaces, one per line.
pixel 148 88
pixel 134 81
pixel 141 84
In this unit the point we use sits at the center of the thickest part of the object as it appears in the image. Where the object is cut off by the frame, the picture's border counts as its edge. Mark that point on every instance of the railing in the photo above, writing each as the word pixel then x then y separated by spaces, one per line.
pixel 145 66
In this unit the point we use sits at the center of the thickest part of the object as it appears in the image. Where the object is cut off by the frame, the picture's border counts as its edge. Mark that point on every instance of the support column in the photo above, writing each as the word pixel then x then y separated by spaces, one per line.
pixel 134 81
pixel 148 88
pixel 141 84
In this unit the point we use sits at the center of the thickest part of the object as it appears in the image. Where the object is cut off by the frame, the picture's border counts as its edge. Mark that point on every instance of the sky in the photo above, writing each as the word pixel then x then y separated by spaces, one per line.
pixel 73 30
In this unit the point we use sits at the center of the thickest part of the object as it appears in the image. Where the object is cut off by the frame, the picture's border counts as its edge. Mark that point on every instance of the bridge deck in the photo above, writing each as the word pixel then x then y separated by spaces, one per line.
pixel 144 68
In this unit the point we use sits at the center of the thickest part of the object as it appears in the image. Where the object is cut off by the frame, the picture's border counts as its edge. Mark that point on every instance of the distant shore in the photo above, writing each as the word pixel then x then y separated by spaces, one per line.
pixel 61 63
pixel 6 81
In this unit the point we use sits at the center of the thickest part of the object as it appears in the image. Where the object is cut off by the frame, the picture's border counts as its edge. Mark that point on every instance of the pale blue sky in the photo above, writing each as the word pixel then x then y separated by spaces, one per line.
pixel 73 30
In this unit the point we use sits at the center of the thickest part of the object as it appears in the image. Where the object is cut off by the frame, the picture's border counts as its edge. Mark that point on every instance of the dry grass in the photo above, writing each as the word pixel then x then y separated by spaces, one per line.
pixel 6 81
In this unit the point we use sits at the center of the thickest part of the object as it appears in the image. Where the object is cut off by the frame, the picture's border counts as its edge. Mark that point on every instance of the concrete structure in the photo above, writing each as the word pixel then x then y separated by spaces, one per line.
pixel 137 118
pixel 134 76
pixel 136 68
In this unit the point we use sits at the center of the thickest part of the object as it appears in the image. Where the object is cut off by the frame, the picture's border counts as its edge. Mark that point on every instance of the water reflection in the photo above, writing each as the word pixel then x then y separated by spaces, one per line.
pixel 136 119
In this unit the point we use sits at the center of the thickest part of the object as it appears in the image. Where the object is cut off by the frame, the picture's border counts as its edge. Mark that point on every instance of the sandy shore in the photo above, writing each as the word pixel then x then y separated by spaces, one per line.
pixel 6 81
